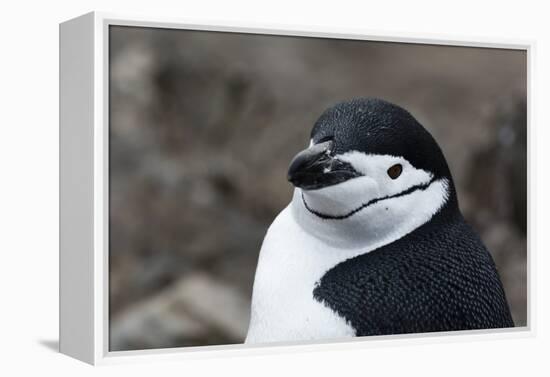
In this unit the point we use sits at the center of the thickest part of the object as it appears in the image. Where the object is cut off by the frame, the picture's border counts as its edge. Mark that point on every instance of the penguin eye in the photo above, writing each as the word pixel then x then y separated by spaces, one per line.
pixel 395 171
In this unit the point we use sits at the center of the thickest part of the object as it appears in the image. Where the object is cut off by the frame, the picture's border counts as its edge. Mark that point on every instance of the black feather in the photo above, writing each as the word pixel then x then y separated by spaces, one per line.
pixel 439 277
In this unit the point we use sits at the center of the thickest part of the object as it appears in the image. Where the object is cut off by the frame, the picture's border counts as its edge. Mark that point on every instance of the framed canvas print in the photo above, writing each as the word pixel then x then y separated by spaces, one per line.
pixel 228 189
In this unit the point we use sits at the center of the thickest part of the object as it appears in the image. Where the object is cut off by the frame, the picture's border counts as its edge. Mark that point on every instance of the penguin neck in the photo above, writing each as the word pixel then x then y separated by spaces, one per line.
pixel 379 224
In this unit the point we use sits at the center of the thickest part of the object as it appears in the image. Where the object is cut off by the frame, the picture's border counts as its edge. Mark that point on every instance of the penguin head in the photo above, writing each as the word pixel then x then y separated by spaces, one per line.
pixel 371 172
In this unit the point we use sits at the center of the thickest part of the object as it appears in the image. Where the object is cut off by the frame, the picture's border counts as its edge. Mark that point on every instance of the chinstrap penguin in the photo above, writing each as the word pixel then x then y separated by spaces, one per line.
pixel 373 241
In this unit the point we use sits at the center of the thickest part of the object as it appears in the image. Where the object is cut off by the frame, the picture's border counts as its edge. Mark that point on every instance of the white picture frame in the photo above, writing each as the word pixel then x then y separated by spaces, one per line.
pixel 84 190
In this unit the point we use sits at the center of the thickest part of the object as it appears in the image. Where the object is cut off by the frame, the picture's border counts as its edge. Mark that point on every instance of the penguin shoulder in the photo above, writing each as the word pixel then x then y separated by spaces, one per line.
pixel 439 277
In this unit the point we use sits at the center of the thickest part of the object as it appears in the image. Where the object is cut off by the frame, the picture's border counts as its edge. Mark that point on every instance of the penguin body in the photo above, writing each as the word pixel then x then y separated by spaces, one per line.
pixel 439 277
pixel 373 241
pixel 284 306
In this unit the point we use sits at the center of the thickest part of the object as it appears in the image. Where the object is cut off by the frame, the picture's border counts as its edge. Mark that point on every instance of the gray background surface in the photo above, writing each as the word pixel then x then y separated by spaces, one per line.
pixel 204 124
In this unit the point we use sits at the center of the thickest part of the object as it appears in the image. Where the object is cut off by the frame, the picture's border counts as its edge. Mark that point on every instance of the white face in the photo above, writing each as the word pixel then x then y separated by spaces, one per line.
pixel 374 208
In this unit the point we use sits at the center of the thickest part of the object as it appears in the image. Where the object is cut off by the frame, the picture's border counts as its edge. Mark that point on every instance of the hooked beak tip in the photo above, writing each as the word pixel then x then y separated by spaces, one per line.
pixel 315 168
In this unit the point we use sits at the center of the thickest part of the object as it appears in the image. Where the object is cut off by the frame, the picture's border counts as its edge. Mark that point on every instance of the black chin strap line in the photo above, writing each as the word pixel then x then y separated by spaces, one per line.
pixel 419 187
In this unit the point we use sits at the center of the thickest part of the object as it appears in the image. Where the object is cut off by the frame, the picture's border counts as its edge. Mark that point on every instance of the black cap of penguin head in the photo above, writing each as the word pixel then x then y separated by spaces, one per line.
pixel 372 126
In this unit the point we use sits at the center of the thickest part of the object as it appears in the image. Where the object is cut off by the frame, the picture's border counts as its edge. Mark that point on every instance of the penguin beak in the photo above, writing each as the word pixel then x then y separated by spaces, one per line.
pixel 315 168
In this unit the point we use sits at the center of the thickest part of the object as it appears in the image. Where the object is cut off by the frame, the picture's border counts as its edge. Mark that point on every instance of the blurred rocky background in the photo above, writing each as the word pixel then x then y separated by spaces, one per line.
pixel 204 124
